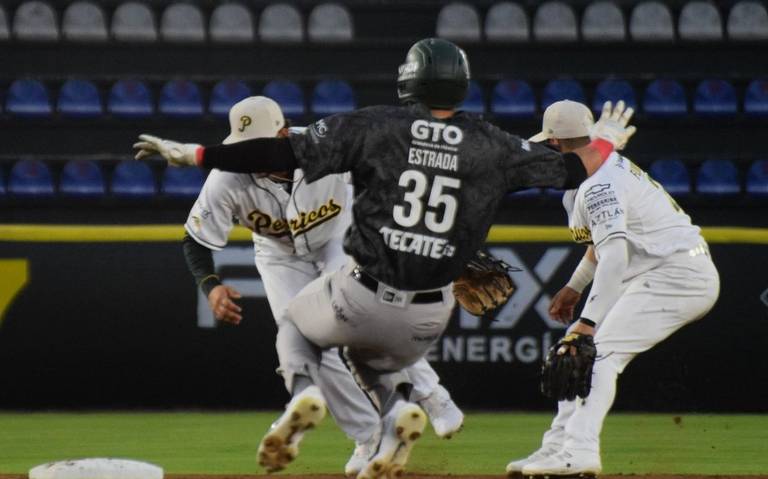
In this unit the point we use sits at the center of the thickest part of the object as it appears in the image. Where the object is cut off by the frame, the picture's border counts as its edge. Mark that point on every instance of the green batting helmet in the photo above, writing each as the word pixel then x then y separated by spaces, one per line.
pixel 435 73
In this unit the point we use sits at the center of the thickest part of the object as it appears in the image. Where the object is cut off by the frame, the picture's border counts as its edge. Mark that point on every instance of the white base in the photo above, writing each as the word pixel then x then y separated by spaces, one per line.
pixel 96 468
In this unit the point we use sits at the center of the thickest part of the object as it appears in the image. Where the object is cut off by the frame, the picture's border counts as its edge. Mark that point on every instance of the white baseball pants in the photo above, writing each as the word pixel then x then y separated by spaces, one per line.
pixel 654 305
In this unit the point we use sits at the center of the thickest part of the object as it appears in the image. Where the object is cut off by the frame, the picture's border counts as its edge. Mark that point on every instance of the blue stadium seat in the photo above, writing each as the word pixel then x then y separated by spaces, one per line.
pixel 333 96
pixel 513 99
pixel 673 176
pixel 757 178
pixel 474 103
pixel 130 99
pixel 82 178
pixel 181 99
pixel 665 98
pixel 718 178
pixel 28 98
pixel 715 98
pixel 756 98
pixel 288 95
pixel 557 90
pixel 225 94
pixel 30 179
pixel 182 182
pixel 613 90
pixel 133 179
pixel 79 99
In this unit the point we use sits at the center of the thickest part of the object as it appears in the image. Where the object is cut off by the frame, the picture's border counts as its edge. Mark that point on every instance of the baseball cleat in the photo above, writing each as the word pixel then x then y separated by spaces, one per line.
pixel 402 427
pixel 564 465
pixel 515 468
pixel 362 454
pixel 280 445
pixel 446 418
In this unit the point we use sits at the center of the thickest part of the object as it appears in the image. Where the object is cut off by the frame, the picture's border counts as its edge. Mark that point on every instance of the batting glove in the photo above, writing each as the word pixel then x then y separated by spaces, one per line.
pixel 177 154
pixel 612 125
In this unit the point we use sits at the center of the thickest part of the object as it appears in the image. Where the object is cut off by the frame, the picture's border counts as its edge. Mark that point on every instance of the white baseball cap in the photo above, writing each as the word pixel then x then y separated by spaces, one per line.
pixel 565 119
pixel 254 117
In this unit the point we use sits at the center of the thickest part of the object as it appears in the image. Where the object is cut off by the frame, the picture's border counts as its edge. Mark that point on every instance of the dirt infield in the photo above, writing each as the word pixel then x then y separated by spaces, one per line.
pixel 409 476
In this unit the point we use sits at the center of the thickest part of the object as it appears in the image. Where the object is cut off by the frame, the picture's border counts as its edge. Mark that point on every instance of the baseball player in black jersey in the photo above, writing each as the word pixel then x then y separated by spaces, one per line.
pixel 427 181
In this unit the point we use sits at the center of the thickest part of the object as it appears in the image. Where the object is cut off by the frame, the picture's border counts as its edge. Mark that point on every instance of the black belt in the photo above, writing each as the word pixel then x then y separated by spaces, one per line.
pixel 372 284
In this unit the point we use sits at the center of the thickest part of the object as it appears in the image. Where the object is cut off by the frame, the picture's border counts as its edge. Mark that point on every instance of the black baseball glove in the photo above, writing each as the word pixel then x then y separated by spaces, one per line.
pixel 567 370
pixel 484 285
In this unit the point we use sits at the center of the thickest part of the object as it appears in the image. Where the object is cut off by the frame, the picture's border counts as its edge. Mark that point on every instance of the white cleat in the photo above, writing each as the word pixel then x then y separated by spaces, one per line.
pixel 515 468
pixel 280 445
pixel 363 453
pixel 445 416
pixel 564 465
pixel 402 427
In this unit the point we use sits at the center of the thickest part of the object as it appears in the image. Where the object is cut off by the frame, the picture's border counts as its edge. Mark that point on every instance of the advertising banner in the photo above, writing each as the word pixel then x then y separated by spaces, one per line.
pixel 102 319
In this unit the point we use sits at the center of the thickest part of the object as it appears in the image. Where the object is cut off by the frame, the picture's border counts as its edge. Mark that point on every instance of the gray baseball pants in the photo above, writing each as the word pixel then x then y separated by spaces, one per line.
pixel 382 332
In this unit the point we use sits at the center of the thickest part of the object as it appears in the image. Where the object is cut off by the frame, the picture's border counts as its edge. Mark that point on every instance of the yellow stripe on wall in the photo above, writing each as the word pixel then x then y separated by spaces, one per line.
pixel 168 233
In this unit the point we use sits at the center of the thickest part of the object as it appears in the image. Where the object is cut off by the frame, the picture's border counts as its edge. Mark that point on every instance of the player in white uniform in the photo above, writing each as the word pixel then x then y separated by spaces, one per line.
pixel 298 229
pixel 651 274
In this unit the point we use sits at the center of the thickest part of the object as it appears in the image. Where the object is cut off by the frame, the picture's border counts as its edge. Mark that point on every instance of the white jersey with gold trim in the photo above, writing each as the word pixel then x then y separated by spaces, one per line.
pixel 295 218
pixel 621 200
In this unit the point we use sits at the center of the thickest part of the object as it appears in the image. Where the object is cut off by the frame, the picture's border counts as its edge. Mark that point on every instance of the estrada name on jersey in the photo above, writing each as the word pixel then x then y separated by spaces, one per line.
pixel 621 200
pixel 449 174
pixel 296 221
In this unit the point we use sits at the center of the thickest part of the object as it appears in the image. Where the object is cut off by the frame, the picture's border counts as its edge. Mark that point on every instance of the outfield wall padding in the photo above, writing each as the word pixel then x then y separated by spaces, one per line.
pixel 100 323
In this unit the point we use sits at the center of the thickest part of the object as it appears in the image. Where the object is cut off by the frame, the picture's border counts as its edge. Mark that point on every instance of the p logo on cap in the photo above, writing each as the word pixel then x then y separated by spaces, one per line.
pixel 245 122
pixel 254 117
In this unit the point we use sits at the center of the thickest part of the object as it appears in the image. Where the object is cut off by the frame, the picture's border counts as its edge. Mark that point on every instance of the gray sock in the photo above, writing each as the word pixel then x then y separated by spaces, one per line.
pixel 300 383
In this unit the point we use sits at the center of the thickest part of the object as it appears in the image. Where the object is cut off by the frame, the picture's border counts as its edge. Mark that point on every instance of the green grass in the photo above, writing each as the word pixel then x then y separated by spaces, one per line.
pixel 193 442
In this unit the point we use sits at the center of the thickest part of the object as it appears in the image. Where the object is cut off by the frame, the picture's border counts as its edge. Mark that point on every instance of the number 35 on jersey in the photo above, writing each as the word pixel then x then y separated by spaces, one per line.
pixel 434 206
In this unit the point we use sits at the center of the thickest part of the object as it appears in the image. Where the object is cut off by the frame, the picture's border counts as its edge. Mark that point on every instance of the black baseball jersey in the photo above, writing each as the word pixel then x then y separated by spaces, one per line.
pixel 426 190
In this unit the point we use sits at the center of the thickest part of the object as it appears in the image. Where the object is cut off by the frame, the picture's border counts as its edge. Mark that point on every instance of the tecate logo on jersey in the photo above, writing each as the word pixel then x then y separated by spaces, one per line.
pixel 416 243
pixel 434 131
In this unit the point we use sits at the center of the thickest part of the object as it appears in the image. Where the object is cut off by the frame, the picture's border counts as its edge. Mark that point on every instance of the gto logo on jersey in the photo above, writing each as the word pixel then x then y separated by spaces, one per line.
pixel 265 225
pixel 245 122
pixel 434 132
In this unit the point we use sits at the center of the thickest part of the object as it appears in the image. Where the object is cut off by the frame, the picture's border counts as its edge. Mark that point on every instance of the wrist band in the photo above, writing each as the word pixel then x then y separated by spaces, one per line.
pixel 588 322
pixel 582 275
pixel 199 153
pixel 604 147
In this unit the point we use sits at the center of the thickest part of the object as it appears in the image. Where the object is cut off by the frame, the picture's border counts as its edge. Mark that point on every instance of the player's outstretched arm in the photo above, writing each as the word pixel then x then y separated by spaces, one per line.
pixel 611 133
pixel 177 154
pixel 259 155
